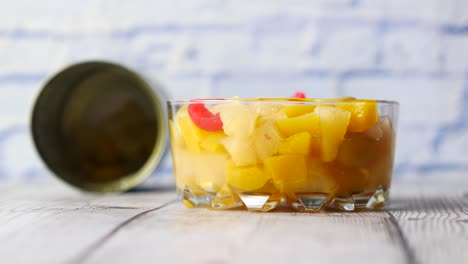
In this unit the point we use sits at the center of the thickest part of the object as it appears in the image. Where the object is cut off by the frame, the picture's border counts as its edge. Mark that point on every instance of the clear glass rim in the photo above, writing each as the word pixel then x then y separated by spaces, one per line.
pixel 278 100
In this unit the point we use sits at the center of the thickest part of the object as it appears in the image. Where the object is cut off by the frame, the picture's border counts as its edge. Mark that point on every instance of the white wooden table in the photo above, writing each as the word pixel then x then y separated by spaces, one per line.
pixel 425 223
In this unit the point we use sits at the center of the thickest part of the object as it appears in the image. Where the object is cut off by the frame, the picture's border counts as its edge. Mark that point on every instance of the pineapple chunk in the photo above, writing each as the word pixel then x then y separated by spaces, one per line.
pixel 267 140
pixel 265 109
pixel 190 132
pixel 364 115
pixel 298 110
pixel 195 138
pixel 305 123
pixel 261 120
pixel 289 172
pixel 326 125
pixel 212 142
pixel 246 178
pixel 238 119
pixel 242 150
pixel 333 126
pixel 209 170
pixel 182 171
pixel 296 144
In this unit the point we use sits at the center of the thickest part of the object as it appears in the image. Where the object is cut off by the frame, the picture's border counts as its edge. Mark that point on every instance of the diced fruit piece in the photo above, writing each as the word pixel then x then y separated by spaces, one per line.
pixel 246 178
pixel 305 123
pixel 190 132
pixel 181 161
pixel 267 140
pixel 289 172
pixel 296 144
pixel 333 125
pixel 203 118
pixel 320 177
pixel 238 119
pixel 241 150
pixel 191 169
pixel 264 109
pixel 209 170
pixel 357 150
pixel 375 132
pixel 212 142
pixel 261 120
pixel 194 137
pixel 298 110
pixel 364 115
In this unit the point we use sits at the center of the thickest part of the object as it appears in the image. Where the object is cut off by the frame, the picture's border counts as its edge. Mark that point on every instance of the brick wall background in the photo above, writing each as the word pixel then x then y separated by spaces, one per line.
pixel 413 51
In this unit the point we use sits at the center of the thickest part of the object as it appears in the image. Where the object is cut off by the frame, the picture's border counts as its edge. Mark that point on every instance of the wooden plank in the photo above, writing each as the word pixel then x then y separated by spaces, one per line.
pixel 434 221
pixel 55 224
pixel 424 224
pixel 176 234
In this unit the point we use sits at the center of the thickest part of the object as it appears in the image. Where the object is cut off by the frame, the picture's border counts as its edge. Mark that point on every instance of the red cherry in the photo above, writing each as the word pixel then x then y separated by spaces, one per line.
pixel 203 118
pixel 299 95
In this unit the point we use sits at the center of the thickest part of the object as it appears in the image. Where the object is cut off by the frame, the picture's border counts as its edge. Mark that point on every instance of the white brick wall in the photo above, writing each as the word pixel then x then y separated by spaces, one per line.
pixel 411 51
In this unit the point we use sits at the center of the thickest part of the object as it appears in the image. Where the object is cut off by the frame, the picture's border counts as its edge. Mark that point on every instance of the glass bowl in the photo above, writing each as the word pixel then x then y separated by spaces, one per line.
pixel 261 153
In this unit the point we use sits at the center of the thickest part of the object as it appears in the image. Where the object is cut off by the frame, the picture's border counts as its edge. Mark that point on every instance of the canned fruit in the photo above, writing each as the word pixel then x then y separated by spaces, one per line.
pixel 289 172
pixel 241 150
pixel 333 125
pixel 364 115
pixel 299 152
pixel 308 122
pixel 203 118
pixel 267 140
pixel 246 178
pixel 238 119
pixel 194 137
pixel 298 110
pixel 296 144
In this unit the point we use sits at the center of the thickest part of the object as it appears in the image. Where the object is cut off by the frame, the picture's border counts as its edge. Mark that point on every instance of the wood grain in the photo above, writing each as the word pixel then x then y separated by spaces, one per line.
pixel 54 224
pixel 434 219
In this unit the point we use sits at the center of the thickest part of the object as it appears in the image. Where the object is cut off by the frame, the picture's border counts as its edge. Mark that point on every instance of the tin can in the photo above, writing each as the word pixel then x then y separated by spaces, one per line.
pixel 100 126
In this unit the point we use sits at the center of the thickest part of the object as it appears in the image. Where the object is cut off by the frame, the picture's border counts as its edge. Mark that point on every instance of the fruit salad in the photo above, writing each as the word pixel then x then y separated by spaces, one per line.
pixel 304 153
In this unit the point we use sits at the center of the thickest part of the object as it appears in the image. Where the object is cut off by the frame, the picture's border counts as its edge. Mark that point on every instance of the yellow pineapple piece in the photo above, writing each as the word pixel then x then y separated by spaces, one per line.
pixel 212 142
pixel 209 170
pixel 246 178
pixel 333 125
pixel 190 132
pixel 182 163
pixel 266 109
pixel 267 140
pixel 298 110
pixel 304 123
pixel 261 120
pixel 364 115
pixel 289 172
pixel 195 138
pixel 241 150
pixel 296 144
pixel 238 119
